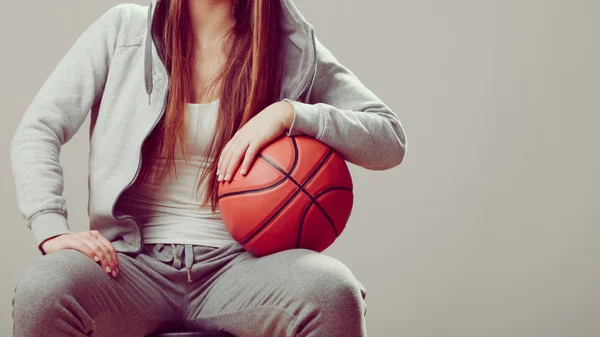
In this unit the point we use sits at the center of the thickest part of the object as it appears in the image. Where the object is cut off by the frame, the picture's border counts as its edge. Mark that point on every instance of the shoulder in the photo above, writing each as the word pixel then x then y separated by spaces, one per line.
pixel 128 21
pixel 327 63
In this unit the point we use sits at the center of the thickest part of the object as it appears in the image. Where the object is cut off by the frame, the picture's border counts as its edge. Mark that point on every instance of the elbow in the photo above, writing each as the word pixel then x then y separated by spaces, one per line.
pixel 396 151
pixel 395 145
pixel 397 156
pixel 392 159
pixel 385 160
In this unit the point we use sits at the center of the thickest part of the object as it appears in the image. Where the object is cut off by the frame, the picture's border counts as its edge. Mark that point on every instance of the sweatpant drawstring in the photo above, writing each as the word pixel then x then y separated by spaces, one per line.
pixel 189 261
pixel 163 253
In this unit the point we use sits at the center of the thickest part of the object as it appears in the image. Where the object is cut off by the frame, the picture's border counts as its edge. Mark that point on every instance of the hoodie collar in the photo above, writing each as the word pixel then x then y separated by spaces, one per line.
pixel 298 47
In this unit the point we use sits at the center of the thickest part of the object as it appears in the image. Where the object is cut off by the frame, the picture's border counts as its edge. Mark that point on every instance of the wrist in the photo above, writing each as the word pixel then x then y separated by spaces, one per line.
pixel 288 114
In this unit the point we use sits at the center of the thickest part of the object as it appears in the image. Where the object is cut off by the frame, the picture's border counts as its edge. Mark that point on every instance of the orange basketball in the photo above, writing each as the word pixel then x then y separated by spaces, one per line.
pixel 297 194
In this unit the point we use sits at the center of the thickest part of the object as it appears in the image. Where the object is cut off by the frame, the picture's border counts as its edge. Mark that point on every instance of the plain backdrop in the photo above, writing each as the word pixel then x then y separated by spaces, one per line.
pixel 489 227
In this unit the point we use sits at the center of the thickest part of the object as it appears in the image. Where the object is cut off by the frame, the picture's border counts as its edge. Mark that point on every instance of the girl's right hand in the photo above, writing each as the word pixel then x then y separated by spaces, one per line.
pixel 90 243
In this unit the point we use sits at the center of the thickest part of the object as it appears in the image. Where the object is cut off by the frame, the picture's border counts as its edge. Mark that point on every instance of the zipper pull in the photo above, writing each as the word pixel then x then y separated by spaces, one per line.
pixel 189 274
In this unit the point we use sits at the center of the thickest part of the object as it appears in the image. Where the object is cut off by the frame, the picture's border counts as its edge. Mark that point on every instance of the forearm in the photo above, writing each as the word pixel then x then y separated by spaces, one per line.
pixel 373 140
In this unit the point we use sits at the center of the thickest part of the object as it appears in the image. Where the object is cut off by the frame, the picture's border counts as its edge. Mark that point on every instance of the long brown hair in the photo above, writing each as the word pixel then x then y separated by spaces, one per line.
pixel 248 82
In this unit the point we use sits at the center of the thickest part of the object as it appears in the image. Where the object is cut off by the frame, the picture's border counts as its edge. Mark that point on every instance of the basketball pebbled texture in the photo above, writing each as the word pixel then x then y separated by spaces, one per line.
pixel 298 193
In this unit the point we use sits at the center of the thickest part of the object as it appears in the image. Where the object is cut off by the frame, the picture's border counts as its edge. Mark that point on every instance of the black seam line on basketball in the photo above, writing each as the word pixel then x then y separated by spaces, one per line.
pixel 304 213
pixel 280 169
pixel 279 182
pixel 314 201
pixel 274 215
pixel 290 198
pixel 289 175
pixel 334 188
pixel 286 175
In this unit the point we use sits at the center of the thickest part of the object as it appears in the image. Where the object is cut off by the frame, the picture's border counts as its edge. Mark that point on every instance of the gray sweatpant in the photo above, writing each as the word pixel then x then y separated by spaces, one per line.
pixel 296 292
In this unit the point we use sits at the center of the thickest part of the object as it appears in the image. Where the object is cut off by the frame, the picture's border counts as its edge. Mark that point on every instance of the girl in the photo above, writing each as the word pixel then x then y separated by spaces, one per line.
pixel 183 94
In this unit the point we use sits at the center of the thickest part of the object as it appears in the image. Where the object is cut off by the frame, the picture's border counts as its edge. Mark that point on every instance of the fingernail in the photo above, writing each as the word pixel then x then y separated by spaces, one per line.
pixel 114 273
pixel 108 269
pixel 96 258
pixel 243 171
pixel 217 172
pixel 220 177
pixel 227 176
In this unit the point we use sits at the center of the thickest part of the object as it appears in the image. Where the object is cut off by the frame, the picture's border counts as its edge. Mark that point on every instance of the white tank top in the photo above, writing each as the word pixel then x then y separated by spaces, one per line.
pixel 169 212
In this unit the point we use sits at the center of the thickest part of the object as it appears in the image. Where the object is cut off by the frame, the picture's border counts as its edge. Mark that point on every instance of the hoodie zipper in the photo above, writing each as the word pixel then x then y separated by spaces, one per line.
pixel 165 99
pixel 138 172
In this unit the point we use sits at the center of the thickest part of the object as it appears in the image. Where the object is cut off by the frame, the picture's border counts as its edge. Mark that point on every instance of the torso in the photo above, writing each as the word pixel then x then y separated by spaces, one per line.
pixel 169 211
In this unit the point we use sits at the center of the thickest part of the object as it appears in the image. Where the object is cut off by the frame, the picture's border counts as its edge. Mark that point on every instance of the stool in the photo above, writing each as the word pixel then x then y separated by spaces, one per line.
pixel 191 334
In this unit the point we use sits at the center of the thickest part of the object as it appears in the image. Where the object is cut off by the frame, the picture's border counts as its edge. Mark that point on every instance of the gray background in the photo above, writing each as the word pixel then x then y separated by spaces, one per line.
pixel 489 227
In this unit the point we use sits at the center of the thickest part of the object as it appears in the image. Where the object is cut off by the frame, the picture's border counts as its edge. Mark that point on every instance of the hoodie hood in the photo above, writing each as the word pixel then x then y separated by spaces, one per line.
pixel 298 46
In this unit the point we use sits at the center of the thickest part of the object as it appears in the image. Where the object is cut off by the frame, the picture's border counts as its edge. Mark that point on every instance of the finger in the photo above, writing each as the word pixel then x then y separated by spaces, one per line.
pixel 109 260
pixel 231 143
pixel 78 244
pixel 104 248
pixel 251 153
pixel 226 160
pixel 222 158
pixel 95 247
pixel 85 246
pixel 235 159
pixel 111 249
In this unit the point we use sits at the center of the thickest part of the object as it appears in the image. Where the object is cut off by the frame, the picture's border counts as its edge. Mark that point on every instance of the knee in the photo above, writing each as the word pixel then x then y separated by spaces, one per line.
pixel 328 283
pixel 50 280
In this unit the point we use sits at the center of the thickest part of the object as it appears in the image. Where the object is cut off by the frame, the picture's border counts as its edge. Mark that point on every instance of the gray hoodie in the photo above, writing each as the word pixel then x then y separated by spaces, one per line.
pixel 113 73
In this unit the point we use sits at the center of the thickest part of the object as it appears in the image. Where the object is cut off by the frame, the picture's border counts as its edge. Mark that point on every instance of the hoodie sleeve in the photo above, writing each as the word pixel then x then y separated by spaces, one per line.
pixel 348 117
pixel 54 115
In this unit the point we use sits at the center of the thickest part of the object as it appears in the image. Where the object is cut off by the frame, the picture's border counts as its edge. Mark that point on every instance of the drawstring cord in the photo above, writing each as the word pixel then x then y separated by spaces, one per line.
pixel 148 56
pixel 189 260
pixel 168 252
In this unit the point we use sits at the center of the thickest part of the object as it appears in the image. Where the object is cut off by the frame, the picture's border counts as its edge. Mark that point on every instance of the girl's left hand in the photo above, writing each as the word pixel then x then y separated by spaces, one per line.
pixel 259 131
